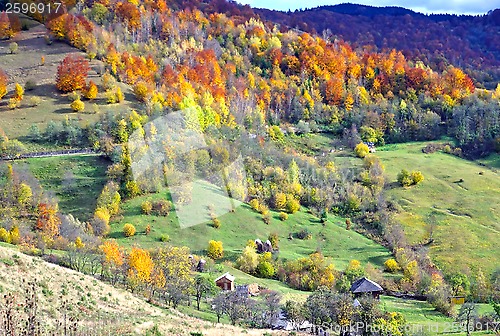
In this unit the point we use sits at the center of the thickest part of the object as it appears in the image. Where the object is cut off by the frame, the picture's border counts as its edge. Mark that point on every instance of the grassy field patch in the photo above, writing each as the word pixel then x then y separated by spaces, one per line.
pixel 458 201
pixel 245 224
pixel 76 181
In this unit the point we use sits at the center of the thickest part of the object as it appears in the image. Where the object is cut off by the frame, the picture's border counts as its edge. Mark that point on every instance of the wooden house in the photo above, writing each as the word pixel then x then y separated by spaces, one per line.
pixel 225 281
pixel 365 286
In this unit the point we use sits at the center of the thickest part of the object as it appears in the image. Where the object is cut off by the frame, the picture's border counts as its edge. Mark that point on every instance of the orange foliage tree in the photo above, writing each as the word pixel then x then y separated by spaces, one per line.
pixel 5 28
pixel 90 91
pixel 114 258
pixel 48 221
pixel 129 13
pixel 3 83
pixel 72 73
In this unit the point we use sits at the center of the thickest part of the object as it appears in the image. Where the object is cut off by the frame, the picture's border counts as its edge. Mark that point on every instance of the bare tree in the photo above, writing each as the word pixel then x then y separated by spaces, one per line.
pixel 466 315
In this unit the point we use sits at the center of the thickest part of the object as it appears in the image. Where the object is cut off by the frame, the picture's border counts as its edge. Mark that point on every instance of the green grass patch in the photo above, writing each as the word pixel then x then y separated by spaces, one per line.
pixel 420 314
pixel 76 181
pixel 458 197
pixel 245 224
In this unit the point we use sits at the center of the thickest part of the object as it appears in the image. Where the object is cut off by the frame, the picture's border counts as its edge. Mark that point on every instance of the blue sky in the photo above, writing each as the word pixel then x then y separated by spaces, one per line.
pixel 423 6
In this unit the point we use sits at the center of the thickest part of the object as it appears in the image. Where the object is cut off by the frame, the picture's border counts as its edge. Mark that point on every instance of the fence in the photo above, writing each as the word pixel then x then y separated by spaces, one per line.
pixel 63 152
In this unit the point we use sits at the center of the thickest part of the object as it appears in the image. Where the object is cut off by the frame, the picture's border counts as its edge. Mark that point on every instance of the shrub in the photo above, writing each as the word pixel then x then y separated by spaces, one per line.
pixel 416 177
pixel 147 230
pixel 15 235
pixel 73 96
pixel 18 92
pixel 304 234
pixel 4 235
pixel 283 216
pixel 110 97
pixel 128 230
pixel 132 189
pixel 251 243
pixel 30 85
pixel 404 178
pixel 114 96
pixel 13 47
pixel 108 82
pixel 266 217
pixel 275 133
pixel 215 249
pixel 280 201
pixel 263 209
pixel 265 269
pixel 141 91
pixel 165 238
pixel 303 127
pixel 3 84
pixel 348 224
pixel 391 265
pixel 361 150
pixel 100 222
pixel 162 207
pixel 146 207
pixel 292 205
pixel 255 204
pixel 447 149
pixel 248 260
pixel 274 239
pixel 119 95
pixel 35 101
pixel 216 223
pixel 90 91
pixel 14 103
pixel 77 105
pixel 79 243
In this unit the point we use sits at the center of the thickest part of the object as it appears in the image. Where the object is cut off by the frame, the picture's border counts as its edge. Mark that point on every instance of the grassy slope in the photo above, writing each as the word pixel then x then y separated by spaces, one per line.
pixel 245 224
pixel 25 65
pixel 422 315
pixel 94 301
pixel 89 177
pixel 467 213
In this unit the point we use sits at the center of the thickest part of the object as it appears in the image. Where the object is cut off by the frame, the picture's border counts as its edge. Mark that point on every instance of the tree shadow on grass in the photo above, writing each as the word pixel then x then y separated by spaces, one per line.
pixel 116 235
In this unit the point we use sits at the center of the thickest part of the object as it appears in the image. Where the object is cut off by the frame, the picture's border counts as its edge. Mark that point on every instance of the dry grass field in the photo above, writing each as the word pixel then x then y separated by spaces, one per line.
pixel 98 305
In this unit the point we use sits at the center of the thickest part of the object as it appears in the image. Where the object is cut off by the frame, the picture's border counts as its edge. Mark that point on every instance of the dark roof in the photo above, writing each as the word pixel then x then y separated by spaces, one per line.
pixel 365 285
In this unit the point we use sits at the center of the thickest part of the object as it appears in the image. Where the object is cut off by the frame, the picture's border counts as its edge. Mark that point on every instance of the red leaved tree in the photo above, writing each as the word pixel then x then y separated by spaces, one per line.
pixel 72 73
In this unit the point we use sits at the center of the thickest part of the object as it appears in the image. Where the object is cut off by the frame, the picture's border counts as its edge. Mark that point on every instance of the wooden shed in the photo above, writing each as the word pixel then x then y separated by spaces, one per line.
pixel 366 286
pixel 225 281
pixel 457 300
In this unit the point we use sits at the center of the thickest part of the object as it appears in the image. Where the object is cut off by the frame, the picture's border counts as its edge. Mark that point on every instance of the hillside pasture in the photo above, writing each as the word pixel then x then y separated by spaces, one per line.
pixel 75 181
pixel 245 224
pixel 26 65
pixel 457 202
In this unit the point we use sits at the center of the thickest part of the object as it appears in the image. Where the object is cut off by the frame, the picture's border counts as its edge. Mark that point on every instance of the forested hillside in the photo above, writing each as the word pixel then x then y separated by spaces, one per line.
pixel 212 130
pixel 469 42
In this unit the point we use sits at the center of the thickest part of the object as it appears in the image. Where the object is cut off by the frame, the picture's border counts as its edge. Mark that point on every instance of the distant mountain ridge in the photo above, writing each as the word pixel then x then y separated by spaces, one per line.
pixel 366 10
